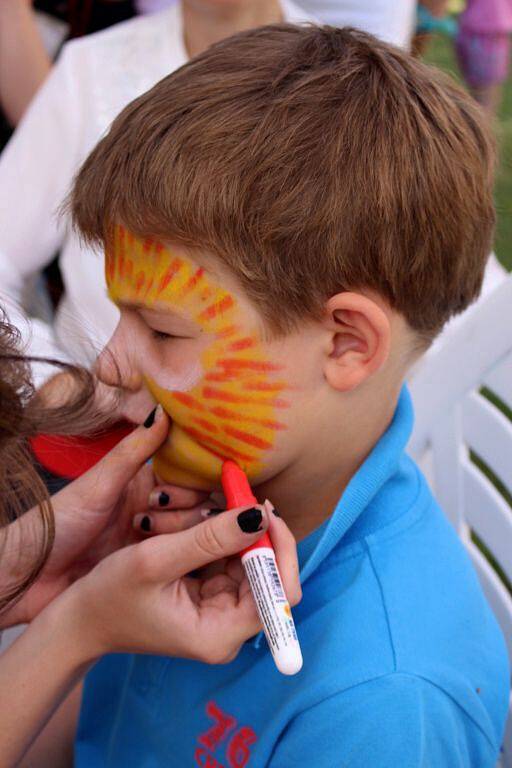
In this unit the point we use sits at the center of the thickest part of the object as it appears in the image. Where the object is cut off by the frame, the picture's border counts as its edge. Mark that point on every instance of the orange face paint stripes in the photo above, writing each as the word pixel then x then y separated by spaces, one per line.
pixel 193 281
pixel 188 400
pixel 229 415
pixel 205 424
pixel 226 332
pixel 212 393
pixel 249 365
pixel 247 437
pixel 216 309
pixel 220 377
pixel 223 449
pixel 139 281
pixel 246 343
pixel 173 270
pixel 264 386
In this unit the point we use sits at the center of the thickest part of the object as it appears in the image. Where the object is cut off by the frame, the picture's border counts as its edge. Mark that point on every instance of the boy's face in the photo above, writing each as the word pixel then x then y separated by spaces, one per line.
pixel 189 339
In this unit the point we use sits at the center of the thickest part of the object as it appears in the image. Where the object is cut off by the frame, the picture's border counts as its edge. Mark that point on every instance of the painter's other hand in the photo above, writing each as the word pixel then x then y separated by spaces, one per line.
pixel 170 509
pixel 140 599
pixel 94 515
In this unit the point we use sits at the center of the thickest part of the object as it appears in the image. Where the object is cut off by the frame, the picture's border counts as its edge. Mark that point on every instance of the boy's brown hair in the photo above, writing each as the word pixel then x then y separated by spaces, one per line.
pixel 309 160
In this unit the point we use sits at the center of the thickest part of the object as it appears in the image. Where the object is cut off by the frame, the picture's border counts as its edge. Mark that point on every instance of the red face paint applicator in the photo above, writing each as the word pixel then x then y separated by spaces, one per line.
pixel 260 566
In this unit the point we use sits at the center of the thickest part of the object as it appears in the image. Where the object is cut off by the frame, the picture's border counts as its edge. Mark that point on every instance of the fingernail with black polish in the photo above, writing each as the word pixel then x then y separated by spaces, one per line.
pixel 150 419
pixel 163 499
pixel 213 512
pixel 145 523
pixel 276 513
pixel 250 520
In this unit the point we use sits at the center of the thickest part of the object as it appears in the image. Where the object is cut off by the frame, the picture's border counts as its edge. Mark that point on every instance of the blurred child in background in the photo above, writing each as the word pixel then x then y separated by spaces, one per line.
pixel 483 49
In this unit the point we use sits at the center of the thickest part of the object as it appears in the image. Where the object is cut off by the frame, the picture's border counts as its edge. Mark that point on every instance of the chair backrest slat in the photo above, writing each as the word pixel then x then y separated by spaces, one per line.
pixel 489 516
pixel 499 379
pixel 489 433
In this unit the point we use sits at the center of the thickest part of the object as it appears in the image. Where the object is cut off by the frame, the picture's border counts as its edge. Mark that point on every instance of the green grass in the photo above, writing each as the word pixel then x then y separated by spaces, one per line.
pixel 441 54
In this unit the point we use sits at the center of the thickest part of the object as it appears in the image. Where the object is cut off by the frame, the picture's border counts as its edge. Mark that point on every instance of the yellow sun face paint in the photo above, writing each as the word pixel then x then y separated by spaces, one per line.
pixel 233 409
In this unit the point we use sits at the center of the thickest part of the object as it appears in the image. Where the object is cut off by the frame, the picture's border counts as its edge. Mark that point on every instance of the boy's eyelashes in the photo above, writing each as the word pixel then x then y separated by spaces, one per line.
pixel 164 336
pixel 161 335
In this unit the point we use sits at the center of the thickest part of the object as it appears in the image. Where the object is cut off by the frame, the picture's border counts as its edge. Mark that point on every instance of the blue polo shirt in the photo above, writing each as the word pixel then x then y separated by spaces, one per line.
pixel 404 664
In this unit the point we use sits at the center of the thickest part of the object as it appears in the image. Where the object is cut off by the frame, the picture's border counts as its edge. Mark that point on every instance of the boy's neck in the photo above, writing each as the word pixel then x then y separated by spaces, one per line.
pixel 306 492
pixel 203 26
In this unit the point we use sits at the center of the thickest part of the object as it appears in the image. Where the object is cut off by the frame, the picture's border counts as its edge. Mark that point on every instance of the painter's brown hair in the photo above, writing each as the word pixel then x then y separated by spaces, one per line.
pixel 22 416
pixel 310 160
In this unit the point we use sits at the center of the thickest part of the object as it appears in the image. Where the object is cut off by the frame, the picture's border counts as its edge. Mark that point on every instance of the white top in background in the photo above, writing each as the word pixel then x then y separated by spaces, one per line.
pixel 391 20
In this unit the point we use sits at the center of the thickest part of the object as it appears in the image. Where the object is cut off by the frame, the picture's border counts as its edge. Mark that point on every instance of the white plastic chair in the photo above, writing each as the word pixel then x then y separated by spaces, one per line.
pixel 456 424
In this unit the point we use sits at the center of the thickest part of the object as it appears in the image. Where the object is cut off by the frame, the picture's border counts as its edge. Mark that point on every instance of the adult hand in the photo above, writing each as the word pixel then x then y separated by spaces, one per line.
pixel 93 517
pixel 140 599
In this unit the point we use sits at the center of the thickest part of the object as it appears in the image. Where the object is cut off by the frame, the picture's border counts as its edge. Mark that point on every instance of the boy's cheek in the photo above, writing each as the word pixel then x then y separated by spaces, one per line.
pixel 247 406
pixel 209 425
pixel 238 408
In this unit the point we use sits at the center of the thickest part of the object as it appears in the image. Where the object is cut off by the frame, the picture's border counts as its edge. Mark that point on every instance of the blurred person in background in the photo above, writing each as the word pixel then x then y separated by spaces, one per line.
pixel 31 35
pixel 481 32
pixel 24 60
pixel 483 49
pixel 389 20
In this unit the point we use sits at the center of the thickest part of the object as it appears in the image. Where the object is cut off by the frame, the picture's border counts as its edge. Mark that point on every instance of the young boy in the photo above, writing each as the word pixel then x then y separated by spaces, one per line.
pixel 282 249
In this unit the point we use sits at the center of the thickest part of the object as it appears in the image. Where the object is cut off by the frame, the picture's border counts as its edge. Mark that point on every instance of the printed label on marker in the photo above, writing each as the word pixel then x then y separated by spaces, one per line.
pixel 271 602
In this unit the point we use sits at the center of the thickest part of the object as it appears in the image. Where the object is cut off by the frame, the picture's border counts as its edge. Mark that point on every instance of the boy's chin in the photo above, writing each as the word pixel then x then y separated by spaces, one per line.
pixel 172 475
pixel 184 462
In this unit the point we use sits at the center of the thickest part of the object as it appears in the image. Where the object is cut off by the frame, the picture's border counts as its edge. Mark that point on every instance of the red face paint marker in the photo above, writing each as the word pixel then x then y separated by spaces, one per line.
pixel 259 561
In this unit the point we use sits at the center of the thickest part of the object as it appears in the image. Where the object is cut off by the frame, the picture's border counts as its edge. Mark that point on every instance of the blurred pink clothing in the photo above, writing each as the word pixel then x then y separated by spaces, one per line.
pixel 483 42
pixel 487 17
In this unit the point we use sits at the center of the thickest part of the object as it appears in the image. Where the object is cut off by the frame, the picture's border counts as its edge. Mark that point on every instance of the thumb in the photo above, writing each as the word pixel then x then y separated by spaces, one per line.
pixel 176 554
pixel 118 467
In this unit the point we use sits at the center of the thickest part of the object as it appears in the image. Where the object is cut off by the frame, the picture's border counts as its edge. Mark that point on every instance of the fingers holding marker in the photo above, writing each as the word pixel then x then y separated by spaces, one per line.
pixel 154 522
pixel 213 539
pixel 174 497
pixel 171 509
pixel 285 548
pixel 251 521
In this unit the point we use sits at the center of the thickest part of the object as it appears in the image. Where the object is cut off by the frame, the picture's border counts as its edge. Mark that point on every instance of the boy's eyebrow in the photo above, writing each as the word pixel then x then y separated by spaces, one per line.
pixel 140 306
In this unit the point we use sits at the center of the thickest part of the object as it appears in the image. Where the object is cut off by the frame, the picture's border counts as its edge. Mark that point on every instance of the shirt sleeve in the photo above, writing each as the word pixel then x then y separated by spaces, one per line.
pixel 36 170
pixel 396 720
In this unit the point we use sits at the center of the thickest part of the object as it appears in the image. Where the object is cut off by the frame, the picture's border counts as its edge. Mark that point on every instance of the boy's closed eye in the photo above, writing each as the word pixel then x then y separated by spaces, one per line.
pixel 164 336
pixel 165 325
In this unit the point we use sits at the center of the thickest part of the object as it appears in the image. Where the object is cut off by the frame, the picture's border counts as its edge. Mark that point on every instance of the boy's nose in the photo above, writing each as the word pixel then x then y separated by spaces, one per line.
pixel 115 365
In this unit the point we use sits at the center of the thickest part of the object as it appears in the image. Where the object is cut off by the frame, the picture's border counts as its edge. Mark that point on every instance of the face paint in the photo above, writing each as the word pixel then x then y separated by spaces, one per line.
pixel 173 381
pixel 228 405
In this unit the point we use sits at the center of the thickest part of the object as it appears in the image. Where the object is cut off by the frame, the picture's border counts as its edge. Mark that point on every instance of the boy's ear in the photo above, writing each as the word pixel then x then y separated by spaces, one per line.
pixel 360 334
